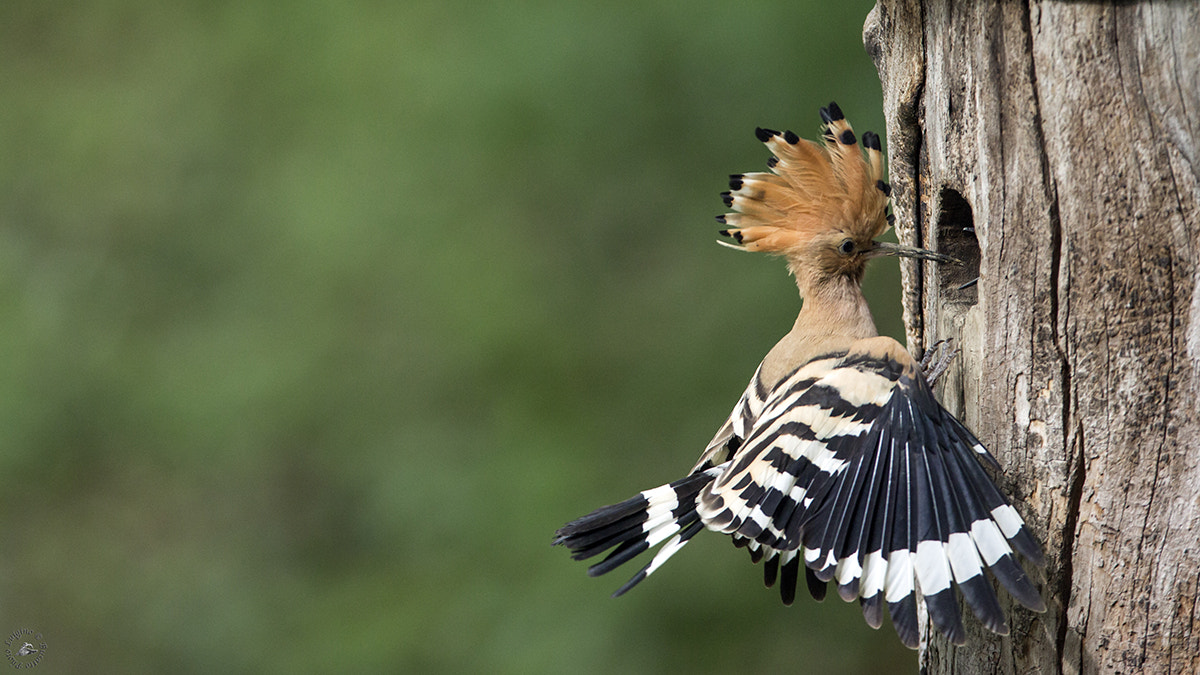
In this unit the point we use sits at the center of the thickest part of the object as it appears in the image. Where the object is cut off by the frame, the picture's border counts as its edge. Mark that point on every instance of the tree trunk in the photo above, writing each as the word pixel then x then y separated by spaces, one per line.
pixel 1065 134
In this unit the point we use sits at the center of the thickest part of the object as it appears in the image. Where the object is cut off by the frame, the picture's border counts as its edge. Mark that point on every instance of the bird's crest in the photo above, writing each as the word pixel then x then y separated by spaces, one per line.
pixel 813 188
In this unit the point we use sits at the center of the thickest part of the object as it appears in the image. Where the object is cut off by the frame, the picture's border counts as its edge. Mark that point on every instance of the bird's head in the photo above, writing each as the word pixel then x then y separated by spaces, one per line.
pixel 822 205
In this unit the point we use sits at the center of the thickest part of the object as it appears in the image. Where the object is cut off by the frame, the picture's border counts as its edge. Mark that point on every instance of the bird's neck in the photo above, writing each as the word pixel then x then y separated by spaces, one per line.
pixel 834 316
pixel 835 307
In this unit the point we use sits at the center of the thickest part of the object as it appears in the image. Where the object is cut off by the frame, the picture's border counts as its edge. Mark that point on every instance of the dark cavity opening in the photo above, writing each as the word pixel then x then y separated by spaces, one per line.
pixel 956 238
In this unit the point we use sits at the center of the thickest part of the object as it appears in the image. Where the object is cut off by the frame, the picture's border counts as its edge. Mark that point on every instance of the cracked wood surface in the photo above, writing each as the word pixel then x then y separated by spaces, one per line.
pixel 1066 135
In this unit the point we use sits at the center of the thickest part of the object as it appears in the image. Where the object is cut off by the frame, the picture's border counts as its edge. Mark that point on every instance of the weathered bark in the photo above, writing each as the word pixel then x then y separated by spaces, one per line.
pixel 1066 135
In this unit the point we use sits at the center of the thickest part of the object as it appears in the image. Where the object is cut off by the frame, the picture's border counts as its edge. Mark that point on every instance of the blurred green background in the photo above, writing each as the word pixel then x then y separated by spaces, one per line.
pixel 319 318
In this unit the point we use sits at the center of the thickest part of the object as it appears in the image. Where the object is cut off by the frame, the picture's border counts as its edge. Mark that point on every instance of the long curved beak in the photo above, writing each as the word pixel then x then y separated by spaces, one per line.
pixel 888 248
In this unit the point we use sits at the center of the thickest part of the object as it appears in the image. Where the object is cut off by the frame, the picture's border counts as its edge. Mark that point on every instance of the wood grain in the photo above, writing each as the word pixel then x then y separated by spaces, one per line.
pixel 1065 134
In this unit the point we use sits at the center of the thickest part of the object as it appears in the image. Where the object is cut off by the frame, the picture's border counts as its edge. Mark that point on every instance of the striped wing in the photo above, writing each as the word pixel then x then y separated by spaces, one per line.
pixel 729 437
pixel 854 466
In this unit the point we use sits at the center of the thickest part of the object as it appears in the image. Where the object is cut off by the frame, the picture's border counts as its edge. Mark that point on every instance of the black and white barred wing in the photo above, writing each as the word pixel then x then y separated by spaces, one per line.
pixel 729 437
pixel 856 468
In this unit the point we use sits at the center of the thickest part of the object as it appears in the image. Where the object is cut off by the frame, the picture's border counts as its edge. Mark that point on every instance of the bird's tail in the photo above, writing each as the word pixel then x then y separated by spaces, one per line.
pixel 636 524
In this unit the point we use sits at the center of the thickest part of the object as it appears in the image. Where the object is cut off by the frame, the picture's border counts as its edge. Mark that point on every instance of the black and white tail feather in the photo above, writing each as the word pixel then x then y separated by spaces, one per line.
pixel 852 468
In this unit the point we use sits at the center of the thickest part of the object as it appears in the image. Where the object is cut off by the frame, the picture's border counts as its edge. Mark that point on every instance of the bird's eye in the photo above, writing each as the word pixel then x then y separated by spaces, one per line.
pixel 846 247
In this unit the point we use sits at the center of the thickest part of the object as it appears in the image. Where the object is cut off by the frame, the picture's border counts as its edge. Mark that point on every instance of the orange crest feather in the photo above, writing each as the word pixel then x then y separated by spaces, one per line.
pixel 813 187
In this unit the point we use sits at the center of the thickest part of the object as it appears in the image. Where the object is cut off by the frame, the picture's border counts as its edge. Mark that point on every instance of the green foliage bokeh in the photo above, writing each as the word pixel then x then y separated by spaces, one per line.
pixel 317 319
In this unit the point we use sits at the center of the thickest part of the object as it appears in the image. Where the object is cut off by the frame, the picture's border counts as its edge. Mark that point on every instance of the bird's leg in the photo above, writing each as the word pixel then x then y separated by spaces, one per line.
pixel 937 360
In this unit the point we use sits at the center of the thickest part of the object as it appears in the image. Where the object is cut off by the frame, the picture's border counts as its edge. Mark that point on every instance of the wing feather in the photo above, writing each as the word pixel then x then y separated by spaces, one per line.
pixel 853 465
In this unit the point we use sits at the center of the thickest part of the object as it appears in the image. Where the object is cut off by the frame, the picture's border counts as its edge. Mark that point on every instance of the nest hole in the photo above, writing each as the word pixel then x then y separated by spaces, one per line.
pixel 956 238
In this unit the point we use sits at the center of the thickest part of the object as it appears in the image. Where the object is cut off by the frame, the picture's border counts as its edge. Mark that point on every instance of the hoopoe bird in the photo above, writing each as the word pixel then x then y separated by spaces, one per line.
pixel 837 457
